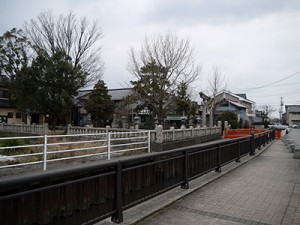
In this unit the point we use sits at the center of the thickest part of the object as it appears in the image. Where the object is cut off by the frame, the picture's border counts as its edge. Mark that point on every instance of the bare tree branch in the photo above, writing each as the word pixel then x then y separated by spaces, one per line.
pixel 216 81
pixel 77 38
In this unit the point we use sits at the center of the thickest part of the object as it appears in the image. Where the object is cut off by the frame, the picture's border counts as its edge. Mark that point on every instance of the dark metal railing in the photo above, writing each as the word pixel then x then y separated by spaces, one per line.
pixel 90 193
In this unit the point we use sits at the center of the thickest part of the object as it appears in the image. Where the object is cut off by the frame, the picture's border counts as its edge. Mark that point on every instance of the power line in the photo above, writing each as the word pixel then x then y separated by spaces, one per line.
pixel 275 82
pixel 280 85
pixel 296 92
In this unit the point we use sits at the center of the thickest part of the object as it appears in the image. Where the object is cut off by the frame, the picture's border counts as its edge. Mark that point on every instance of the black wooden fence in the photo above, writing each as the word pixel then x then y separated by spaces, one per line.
pixel 87 194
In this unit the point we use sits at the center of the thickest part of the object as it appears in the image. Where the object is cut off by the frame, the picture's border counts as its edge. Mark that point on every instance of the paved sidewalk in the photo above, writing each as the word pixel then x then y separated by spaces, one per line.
pixel 265 190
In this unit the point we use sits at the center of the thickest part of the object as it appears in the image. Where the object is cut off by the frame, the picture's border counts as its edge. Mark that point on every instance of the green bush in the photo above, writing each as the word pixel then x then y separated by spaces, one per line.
pixel 230 117
pixel 14 143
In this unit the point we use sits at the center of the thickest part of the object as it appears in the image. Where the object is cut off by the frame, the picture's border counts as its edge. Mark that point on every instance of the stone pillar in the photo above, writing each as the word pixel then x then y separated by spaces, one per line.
pixel 204 114
pixel 225 124
pixel 159 134
pixel 155 122
pixel 297 152
pixel 211 118
pixel 124 122
pixel 182 124
pixel 114 123
pixel 291 148
pixel 136 122
pixel 220 127
pixel 88 121
pixel 107 128
pixel 198 121
pixel 219 123
pixel 173 133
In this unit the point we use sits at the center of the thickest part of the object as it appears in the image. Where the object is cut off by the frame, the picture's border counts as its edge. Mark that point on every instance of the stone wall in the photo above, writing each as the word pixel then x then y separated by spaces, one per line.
pixel 155 147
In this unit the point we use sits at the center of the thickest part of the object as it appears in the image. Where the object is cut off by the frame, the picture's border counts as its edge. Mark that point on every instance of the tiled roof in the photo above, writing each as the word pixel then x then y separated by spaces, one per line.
pixel 118 94
pixel 241 97
pixel 292 108
pixel 238 104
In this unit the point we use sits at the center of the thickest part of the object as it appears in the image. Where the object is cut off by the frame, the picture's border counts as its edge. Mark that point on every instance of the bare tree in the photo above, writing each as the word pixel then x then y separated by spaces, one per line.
pixel 266 112
pixel 77 38
pixel 216 81
pixel 161 64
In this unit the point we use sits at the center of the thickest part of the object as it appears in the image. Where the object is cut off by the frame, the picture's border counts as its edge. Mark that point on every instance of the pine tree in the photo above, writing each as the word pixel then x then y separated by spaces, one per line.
pixel 100 105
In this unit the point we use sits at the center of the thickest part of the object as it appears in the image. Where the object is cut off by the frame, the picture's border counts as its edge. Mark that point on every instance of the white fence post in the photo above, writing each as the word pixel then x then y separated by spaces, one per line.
pixel 45 153
pixel 108 145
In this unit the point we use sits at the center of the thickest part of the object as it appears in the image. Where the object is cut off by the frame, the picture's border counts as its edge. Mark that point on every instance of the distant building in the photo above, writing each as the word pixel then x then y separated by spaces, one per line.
pixel 237 103
pixel 8 113
pixel 258 117
pixel 80 115
pixel 292 115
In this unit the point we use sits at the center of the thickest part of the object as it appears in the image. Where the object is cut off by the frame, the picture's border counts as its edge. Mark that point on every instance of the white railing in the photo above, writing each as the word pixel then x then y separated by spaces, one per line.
pixel 24 128
pixel 24 151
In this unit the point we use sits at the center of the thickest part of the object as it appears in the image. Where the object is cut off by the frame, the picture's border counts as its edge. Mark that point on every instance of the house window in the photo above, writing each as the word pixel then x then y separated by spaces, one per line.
pixel 18 115
pixel 10 115
pixel 3 94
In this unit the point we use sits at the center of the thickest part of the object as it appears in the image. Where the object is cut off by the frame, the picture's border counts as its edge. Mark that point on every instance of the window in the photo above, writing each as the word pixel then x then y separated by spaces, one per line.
pixel 3 94
pixel 10 115
pixel 18 115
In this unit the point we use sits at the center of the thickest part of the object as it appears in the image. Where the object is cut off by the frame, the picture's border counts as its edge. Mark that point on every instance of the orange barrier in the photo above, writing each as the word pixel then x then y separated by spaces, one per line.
pixel 277 134
pixel 237 133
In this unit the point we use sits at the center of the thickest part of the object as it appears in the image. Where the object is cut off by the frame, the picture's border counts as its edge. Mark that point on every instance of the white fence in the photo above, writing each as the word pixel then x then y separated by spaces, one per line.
pixel 24 128
pixel 25 151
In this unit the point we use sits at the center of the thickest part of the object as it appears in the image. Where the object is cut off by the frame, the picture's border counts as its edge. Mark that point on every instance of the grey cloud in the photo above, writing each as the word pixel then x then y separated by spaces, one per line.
pixel 216 11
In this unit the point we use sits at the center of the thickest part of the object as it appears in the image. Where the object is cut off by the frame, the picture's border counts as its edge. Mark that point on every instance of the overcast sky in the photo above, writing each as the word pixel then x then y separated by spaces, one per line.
pixel 254 43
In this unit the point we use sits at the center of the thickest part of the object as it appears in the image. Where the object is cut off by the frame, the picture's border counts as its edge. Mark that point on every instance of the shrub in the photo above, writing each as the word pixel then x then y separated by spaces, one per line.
pixel 13 143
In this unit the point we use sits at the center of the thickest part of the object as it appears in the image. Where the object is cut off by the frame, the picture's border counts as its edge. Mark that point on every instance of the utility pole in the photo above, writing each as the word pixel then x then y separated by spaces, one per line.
pixel 281 110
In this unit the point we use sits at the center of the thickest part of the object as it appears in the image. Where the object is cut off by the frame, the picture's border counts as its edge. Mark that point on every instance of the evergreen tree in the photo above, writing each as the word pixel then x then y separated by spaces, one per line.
pixel 100 105
pixel 48 86
pixel 184 105
pixel 231 117
pixel 153 88
pixel 14 52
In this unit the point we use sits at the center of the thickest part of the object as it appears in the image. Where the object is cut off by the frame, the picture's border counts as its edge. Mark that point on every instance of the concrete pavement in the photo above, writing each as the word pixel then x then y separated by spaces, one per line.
pixel 265 189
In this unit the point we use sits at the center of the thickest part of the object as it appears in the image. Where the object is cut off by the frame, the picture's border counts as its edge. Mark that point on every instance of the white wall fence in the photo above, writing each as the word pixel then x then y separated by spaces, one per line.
pixel 157 135
pixel 94 130
pixel 184 133
pixel 24 128
pixel 32 150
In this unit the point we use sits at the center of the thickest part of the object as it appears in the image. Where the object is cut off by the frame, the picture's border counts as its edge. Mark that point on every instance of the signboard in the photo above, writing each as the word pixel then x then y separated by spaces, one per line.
pixel 3 119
